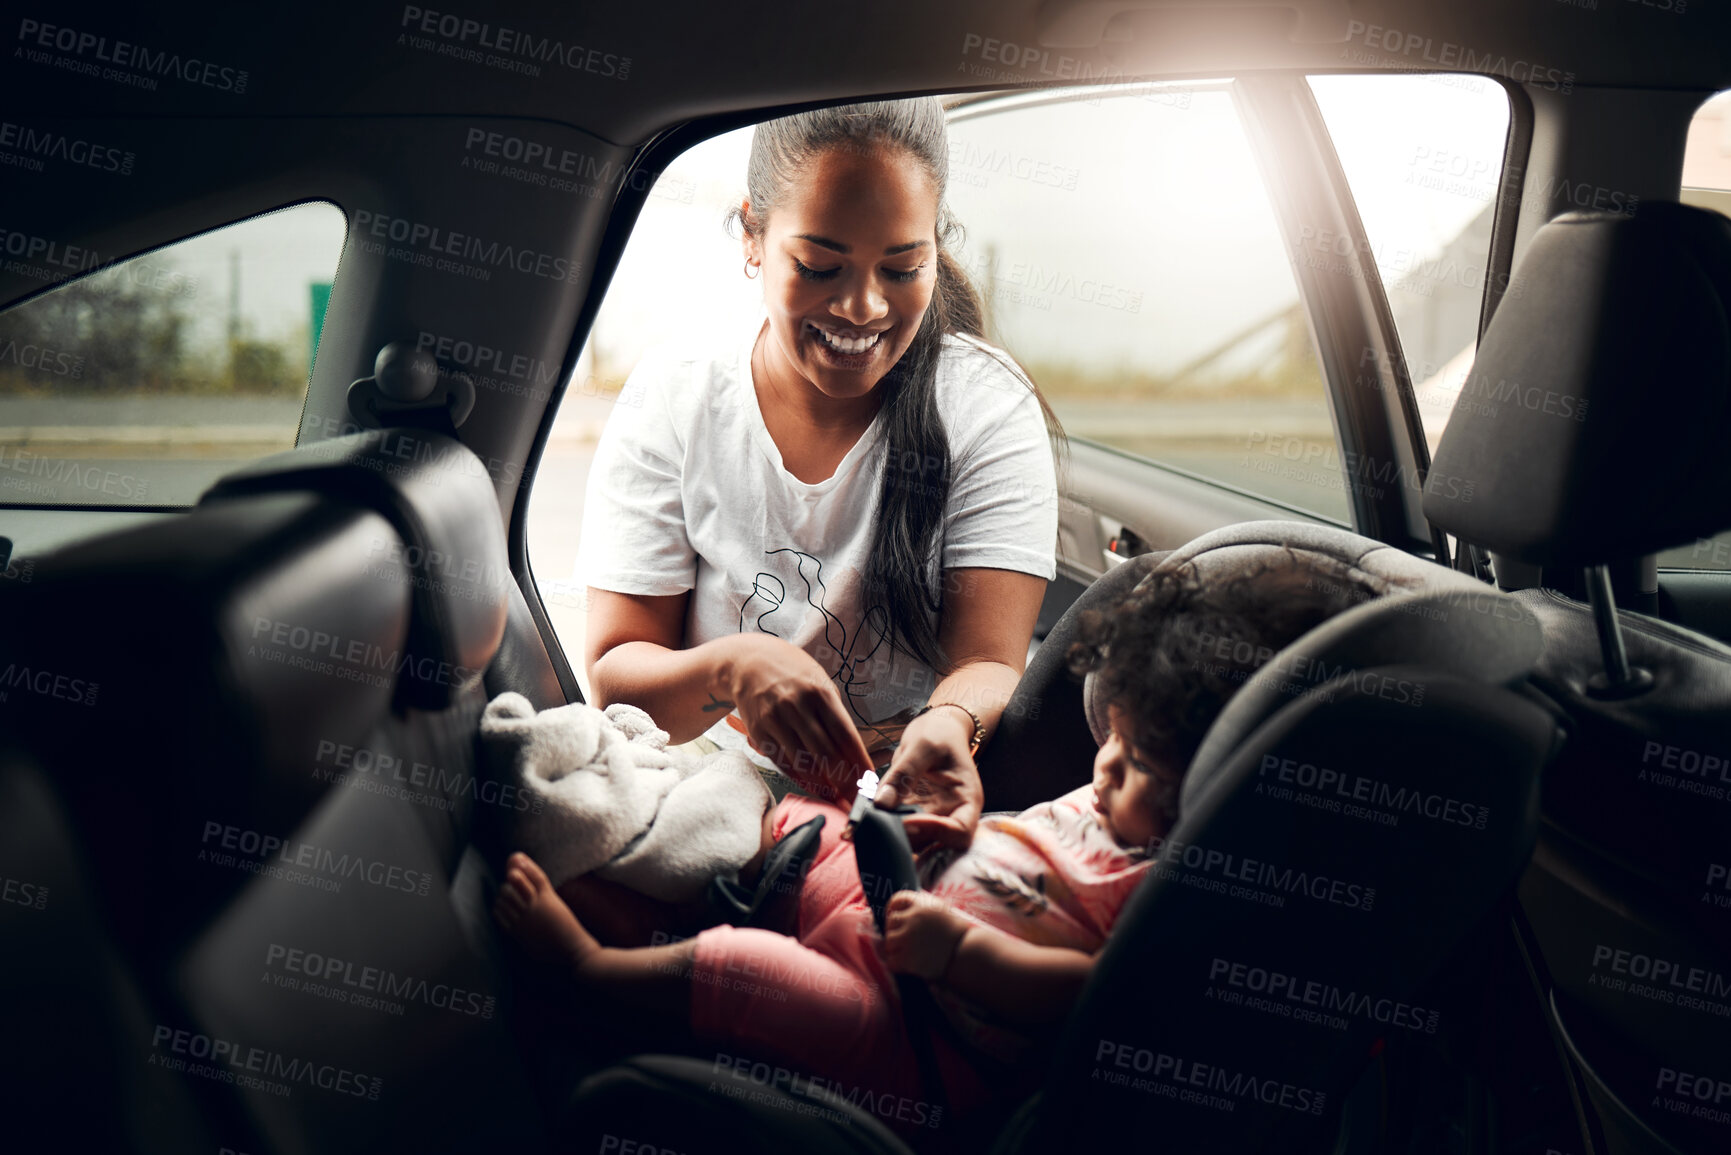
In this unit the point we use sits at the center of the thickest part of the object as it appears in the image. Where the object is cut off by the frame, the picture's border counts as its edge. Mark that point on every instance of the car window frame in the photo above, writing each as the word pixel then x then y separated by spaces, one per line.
pixel 1307 185
pixel 1720 573
pixel 976 105
pixel 171 508
pixel 1268 101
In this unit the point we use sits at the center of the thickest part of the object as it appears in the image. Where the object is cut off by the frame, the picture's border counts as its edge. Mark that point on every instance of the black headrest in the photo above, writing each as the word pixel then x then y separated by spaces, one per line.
pixel 437 496
pixel 1593 425
pixel 191 675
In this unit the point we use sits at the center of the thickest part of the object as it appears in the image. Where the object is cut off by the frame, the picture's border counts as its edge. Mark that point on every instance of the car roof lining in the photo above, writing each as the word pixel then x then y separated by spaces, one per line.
pixel 361 89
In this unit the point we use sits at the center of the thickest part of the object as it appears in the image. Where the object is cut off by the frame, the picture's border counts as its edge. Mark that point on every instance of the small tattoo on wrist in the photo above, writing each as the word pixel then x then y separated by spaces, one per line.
pixel 715 704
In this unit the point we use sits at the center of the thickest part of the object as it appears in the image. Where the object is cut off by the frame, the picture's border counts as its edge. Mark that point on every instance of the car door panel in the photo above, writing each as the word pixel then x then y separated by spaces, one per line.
pixel 1698 599
pixel 1163 506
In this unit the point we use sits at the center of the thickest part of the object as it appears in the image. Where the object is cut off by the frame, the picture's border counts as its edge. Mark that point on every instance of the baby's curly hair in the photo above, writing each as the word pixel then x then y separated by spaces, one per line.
pixel 1171 651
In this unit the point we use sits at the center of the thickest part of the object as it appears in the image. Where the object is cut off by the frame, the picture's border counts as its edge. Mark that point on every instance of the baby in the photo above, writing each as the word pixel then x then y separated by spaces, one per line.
pixel 1005 931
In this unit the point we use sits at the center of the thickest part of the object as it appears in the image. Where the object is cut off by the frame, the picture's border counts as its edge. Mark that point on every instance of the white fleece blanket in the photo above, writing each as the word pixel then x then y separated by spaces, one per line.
pixel 614 800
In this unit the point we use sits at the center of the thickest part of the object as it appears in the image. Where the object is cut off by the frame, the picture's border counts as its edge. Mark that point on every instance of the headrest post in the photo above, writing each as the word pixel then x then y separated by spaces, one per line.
pixel 1618 680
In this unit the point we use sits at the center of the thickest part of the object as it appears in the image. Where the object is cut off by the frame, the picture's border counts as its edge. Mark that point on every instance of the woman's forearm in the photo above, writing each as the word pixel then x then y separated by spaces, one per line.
pixel 981 686
pixel 683 690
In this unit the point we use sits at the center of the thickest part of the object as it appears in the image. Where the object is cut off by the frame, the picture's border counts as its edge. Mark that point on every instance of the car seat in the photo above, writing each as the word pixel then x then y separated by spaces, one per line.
pixel 1602 406
pixel 251 790
pixel 1264 880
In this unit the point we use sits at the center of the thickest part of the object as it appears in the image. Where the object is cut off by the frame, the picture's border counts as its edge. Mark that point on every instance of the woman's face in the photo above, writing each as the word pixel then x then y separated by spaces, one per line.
pixel 849 261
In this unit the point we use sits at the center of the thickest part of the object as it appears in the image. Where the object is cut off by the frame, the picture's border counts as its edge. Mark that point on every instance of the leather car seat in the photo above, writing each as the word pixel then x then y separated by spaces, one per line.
pixel 1162 1042
pixel 1606 444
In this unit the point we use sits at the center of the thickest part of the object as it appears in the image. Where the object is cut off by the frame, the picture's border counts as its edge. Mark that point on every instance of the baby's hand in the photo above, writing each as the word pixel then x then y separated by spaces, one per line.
pixel 920 934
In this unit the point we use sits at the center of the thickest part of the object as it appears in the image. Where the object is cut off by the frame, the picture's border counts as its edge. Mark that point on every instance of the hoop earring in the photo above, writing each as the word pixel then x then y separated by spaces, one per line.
pixel 749 275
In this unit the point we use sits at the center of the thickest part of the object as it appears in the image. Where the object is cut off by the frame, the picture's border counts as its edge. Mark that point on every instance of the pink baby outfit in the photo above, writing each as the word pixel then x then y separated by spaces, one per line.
pixel 826 1005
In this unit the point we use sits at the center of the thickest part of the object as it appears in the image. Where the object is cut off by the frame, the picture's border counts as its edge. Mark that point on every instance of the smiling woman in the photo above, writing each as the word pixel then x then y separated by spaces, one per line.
pixel 795 543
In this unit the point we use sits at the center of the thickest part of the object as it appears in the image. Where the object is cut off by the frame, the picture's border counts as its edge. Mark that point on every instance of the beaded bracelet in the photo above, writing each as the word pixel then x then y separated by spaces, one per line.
pixel 979 729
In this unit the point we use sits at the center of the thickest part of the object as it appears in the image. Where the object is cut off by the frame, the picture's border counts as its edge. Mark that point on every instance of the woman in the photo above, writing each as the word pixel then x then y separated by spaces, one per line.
pixel 797 543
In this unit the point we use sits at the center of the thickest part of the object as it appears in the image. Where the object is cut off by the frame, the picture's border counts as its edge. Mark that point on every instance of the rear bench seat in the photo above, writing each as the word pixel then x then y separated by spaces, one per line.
pixel 244 768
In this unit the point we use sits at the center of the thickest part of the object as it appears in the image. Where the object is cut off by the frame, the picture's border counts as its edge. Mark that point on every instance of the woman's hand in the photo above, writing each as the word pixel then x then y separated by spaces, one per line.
pixel 793 714
pixel 933 769
pixel 921 933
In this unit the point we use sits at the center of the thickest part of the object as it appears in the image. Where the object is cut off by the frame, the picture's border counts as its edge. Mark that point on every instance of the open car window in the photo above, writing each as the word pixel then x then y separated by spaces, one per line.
pixel 1706 184
pixel 144 380
pixel 1423 155
pixel 1129 258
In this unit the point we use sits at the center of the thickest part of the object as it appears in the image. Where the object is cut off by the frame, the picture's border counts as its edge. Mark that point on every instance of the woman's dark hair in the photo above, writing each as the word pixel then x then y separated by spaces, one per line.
pixel 1170 652
pixel 903 572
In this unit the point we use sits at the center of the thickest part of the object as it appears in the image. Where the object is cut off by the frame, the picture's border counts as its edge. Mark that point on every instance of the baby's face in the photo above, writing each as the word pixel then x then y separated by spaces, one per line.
pixel 1127 787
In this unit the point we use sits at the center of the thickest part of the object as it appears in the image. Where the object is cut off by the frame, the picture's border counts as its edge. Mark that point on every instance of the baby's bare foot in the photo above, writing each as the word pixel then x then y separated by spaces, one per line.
pixel 533 914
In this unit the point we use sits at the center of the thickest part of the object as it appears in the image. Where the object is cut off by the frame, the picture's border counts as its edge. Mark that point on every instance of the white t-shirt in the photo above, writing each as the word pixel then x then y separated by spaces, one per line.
pixel 687 492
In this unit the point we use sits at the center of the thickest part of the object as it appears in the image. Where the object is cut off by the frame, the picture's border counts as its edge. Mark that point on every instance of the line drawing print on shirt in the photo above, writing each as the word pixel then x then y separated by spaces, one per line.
pixel 874 623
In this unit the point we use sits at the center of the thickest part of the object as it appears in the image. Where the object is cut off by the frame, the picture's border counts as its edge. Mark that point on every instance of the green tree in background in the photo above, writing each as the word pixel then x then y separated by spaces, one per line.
pixel 132 329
